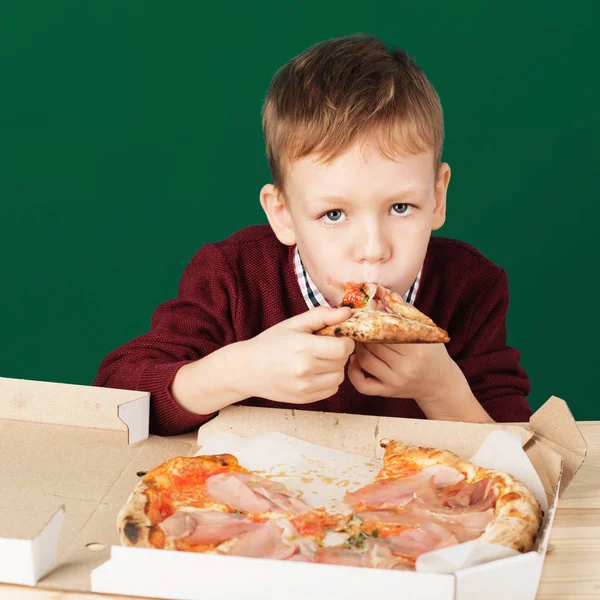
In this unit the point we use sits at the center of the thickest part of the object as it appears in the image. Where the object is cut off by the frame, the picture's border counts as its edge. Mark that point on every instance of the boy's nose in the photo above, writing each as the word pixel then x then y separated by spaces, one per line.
pixel 373 247
pixel 374 254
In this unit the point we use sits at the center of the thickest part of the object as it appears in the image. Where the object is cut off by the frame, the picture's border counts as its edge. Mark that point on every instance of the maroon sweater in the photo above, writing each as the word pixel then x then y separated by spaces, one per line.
pixel 233 290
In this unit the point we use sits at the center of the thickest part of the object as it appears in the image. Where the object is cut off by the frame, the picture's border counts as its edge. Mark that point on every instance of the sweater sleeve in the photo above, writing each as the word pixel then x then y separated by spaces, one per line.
pixel 491 367
pixel 182 330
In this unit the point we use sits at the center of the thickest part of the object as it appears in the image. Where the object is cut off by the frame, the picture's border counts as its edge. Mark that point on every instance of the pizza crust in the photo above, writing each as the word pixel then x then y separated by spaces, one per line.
pixel 134 525
pixel 132 521
pixel 518 515
pixel 375 326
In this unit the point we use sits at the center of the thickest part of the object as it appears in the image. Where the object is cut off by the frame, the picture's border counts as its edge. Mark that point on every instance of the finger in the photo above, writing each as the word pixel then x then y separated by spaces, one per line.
pixel 310 398
pixel 372 363
pixel 365 385
pixel 325 381
pixel 320 387
pixel 325 365
pixel 403 349
pixel 385 353
pixel 314 319
pixel 322 395
pixel 332 348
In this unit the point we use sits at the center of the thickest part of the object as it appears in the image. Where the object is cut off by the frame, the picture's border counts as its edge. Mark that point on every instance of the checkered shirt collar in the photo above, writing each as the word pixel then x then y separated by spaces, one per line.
pixel 312 295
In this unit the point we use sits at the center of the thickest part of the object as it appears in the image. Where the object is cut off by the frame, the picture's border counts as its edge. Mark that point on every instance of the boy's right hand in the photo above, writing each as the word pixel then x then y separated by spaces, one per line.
pixel 288 363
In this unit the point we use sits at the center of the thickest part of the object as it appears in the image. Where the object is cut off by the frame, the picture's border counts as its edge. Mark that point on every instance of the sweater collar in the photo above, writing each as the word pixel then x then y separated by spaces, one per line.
pixel 312 295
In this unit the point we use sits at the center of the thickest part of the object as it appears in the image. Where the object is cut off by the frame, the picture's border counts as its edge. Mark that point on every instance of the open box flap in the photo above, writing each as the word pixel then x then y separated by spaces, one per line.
pixel 358 434
pixel 554 426
pixel 76 405
pixel 102 472
pixel 26 561
pixel 66 468
pixel 340 431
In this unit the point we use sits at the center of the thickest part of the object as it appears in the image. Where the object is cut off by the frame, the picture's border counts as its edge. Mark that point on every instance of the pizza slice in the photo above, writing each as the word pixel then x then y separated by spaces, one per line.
pixel 379 315
pixel 424 499
pixel 212 504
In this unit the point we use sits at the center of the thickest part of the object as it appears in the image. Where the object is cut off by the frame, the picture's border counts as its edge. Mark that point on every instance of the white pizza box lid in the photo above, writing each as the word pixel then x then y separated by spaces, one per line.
pixel 70 458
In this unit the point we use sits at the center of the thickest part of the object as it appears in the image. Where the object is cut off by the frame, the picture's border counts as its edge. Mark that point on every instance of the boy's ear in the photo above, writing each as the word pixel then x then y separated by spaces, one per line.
pixel 271 199
pixel 441 189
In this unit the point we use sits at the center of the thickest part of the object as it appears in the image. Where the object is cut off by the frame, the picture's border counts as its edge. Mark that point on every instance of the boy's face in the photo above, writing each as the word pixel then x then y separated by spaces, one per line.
pixel 363 217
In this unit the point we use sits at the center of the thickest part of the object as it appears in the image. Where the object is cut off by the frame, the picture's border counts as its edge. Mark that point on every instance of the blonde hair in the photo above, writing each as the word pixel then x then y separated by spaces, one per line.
pixel 345 90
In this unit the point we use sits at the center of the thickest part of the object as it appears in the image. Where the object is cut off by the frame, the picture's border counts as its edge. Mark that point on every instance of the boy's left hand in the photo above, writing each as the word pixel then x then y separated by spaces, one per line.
pixel 420 371
pixel 424 372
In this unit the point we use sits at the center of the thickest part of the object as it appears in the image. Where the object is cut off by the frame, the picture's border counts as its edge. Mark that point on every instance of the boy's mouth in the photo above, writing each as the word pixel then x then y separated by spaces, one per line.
pixel 340 287
pixel 341 284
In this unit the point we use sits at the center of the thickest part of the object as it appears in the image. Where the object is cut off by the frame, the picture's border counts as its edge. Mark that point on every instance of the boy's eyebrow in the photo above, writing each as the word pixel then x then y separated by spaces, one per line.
pixel 395 197
pixel 331 198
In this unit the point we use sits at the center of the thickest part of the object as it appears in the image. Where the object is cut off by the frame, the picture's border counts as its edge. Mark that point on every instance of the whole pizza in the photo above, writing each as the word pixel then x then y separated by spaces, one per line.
pixel 422 499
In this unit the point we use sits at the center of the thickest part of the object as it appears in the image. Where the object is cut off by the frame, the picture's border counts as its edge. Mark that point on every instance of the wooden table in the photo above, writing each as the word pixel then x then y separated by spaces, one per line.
pixel 571 569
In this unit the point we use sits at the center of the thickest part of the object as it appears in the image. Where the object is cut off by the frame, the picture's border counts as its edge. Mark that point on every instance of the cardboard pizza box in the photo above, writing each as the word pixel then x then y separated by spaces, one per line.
pixel 72 454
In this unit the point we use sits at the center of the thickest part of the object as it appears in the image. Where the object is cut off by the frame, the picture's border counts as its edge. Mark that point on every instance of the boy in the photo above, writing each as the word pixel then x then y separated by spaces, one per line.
pixel 354 135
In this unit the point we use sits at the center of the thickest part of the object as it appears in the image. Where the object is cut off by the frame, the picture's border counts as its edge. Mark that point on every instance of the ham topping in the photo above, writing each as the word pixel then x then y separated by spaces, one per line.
pixel 414 542
pixel 435 515
pixel 276 539
pixel 265 542
pixel 206 526
pixel 251 493
pixel 400 491
pixel 478 496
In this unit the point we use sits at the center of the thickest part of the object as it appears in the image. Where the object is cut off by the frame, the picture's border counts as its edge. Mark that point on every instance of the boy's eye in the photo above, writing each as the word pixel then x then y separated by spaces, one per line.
pixel 402 209
pixel 333 216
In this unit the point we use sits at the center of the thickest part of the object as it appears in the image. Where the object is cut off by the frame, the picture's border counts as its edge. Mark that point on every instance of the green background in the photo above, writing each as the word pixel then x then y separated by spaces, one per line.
pixel 130 135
